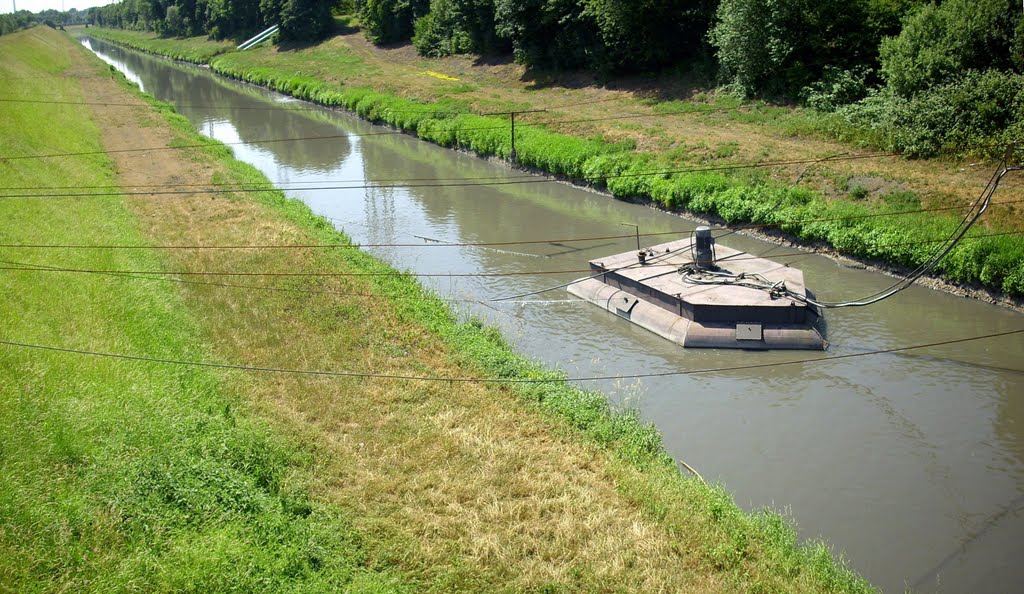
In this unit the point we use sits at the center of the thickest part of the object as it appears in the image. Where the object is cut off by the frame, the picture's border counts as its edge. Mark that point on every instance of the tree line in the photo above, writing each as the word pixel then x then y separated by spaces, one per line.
pixel 299 20
pixel 922 75
pixel 9 23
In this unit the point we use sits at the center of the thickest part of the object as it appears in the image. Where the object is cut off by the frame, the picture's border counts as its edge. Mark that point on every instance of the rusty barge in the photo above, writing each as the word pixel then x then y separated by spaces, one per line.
pixel 697 294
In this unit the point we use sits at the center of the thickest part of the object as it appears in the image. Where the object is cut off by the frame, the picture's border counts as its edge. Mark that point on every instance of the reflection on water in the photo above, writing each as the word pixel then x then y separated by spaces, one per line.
pixel 901 461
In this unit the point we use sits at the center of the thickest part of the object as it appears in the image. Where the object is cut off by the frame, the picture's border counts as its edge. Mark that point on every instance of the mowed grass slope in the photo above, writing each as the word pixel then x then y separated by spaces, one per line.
pixel 171 478
pixel 119 476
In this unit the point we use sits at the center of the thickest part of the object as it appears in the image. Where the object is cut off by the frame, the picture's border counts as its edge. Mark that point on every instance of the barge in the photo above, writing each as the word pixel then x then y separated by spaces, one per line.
pixel 700 295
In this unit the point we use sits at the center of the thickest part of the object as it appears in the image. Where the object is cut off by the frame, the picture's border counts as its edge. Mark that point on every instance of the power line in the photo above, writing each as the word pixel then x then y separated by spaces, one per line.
pixel 427 243
pixel 501 182
pixel 366 375
pixel 314 106
pixel 277 289
pixel 148 106
pixel 272 185
pixel 249 190
pixel 474 184
pixel 516 299
pixel 299 274
pixel 862 216
pixel 311 138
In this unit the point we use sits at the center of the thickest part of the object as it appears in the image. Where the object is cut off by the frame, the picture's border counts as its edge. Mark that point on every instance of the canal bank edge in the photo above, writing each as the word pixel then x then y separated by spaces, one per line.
pixel 993 272
pixel 740 537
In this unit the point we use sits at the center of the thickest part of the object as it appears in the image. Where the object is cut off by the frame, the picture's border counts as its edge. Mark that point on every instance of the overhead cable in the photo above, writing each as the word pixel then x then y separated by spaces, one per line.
pixel 491 380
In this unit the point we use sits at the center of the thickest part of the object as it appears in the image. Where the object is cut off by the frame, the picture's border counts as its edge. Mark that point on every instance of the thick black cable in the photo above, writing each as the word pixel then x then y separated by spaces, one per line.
pixel 858 217
pixel 355 374
pixel 937 255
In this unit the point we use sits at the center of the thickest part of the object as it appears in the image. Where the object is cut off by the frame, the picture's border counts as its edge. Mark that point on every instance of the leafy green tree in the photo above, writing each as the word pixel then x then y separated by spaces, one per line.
pixel 1017 52
pixel 389 21
pixel 270 11
pixel 548 33
pixel 305 20
pixel 458 27
pixel 751 41
pixel 780 46
pixel 174 22
pixel 637 35
pixel 941 41
pixel 232 18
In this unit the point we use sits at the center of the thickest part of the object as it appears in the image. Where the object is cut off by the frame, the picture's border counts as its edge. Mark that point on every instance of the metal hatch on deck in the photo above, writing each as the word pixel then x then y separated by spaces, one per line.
pixel 697 294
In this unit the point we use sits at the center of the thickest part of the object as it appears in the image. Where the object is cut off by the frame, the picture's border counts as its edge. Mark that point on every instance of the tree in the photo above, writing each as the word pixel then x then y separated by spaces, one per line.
pixel 638 35
pixel 458 27
pixel 174 22
pixel 780 46
pixel 390 21
pixel 941 41
pixel 231 18
pixel 548 33
pixel 305 20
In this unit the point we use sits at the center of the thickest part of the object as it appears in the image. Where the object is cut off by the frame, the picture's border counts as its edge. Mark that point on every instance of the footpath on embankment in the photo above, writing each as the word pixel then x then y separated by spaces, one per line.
pixel 769 170
pixel 155 441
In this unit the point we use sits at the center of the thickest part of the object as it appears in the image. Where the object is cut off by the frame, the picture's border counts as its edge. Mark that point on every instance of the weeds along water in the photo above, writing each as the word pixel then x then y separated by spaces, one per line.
pixel 882 230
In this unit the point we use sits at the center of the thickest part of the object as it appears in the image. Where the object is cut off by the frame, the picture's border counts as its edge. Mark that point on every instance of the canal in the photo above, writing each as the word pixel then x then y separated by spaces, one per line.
pixel 909 464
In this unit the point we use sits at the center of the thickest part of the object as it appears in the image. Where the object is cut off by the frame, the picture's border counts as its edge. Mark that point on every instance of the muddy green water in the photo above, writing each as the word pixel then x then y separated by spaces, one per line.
pixel 911 465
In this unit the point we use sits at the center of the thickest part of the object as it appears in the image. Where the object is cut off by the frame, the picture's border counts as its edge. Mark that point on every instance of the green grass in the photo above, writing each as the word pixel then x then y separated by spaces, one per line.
pixel 120 476
pixel 197 50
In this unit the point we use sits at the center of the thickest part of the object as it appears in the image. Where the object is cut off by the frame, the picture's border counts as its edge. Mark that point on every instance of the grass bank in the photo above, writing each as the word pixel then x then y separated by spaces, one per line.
pixel 128 475
pixel 197 50
pixel 860 213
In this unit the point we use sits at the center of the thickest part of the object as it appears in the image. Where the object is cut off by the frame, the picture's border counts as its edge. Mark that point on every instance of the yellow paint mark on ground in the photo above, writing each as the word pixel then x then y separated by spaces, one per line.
pixel 438 75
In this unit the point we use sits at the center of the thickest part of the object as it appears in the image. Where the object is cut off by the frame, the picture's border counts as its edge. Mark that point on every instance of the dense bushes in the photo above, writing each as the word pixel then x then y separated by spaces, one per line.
pixel 388 21
pixel 458 27
pixel 604 35
pixel 978 112
pixel 780 46
pixel 9 23
pixel 903 73
pixel 938 42
pixel 300 20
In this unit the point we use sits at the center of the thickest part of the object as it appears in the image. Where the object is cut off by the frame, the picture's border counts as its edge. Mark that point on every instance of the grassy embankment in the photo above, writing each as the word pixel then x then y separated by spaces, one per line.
pixel 865 210
pixel 129 475
pixel 115 476
pixel 126 475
